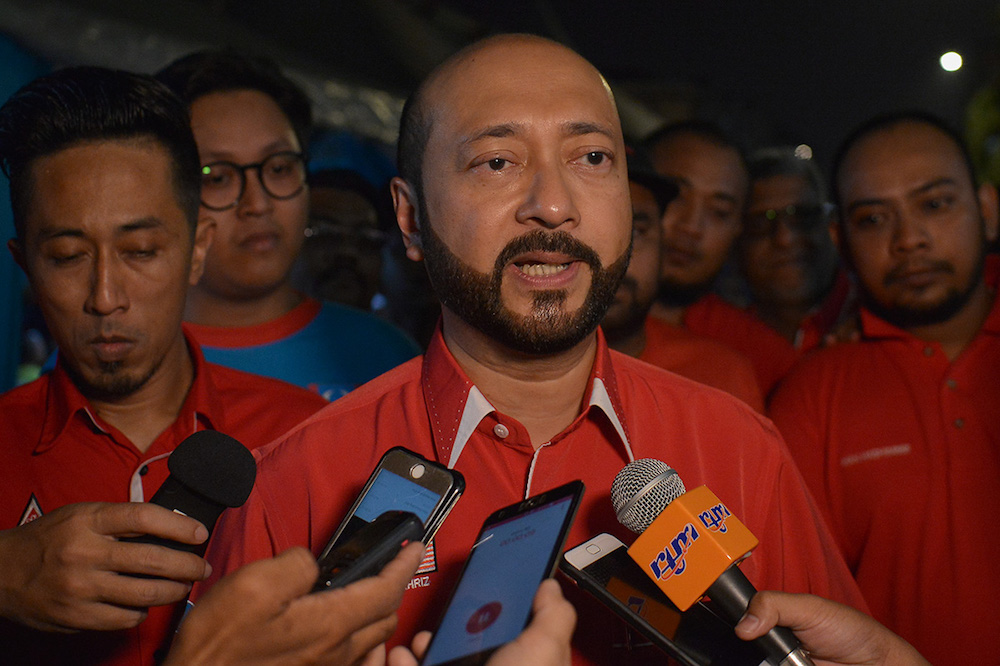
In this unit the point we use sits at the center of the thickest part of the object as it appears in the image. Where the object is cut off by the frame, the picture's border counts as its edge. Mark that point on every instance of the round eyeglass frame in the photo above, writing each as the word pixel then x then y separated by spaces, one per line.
pixel 242 169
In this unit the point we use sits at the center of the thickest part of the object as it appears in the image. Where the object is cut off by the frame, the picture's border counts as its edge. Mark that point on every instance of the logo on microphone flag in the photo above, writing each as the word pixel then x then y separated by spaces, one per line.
pixel 690 544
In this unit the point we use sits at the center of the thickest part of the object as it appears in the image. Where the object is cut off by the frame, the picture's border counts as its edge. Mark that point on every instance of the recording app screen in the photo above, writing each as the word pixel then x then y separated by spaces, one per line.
pixel 493 600
pixel 389 492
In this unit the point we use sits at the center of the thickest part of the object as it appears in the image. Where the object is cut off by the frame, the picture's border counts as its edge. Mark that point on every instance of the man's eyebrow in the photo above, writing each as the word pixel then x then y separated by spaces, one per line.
pixel 938 182
pixel 150 222
pixel 501 131
pixel 724 196
pixel 581 128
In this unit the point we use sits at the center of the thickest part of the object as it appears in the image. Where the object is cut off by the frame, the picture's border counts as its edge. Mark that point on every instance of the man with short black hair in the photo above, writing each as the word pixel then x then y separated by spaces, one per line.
pixel 104 186
pixel 252 124
pixel 898 433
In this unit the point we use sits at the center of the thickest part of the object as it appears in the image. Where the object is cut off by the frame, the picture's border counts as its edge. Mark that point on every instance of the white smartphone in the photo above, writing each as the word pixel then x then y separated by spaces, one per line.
pixel 697 637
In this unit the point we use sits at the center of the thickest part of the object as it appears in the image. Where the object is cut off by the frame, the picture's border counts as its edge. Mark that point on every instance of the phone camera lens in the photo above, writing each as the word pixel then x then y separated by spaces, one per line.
pixel 417 471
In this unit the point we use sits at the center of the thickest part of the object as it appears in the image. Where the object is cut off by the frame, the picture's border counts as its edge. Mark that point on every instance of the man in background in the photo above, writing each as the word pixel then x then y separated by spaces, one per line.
pixel 251 124
pixel 628 326
pixel 104 189
pixel 700 229
pixel 898 433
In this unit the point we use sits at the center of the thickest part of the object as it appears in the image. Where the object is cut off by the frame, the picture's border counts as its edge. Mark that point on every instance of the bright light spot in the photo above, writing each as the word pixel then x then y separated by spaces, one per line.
pixel 803 152
pixel 951 61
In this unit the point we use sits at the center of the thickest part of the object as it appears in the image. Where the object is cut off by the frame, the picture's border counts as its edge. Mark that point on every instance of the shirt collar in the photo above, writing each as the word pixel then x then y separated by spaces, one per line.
pixel 202 408
pixel 456 406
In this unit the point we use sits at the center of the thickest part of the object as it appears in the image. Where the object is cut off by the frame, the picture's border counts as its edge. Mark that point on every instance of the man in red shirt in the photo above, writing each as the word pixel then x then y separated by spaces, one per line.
pixel 104 188
pixel 514 192
pixel 628 326
pixel 786 254
pixel 699 230
pixel 898 433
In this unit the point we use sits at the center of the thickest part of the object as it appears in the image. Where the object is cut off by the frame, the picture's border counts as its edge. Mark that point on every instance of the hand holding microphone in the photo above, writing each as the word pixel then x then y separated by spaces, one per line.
pixel 689 545
pixel 63 571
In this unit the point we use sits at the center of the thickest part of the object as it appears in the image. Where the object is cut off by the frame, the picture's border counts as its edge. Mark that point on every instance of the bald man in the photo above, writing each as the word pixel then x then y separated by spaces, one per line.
pixel 514 193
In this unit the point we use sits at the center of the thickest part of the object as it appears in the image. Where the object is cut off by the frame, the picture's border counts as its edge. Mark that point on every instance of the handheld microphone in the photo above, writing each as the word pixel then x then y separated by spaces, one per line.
pixel 689 544
pixel 209 472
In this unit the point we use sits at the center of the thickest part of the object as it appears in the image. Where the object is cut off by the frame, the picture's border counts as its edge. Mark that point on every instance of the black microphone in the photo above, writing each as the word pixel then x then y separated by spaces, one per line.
pixel 209 472
pixel 689 544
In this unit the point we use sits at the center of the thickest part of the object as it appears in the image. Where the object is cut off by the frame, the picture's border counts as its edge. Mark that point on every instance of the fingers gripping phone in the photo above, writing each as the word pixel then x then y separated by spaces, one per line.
pixel 368 550
pixel 697 637
pixel 403 481
pixel 515 551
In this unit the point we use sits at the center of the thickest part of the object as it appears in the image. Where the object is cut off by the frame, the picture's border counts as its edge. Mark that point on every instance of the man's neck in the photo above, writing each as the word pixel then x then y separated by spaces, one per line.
pixel 210 309
pixel 672 314
pixel 144 414
pixel 545 394
pixel 955 334
pixel 785 320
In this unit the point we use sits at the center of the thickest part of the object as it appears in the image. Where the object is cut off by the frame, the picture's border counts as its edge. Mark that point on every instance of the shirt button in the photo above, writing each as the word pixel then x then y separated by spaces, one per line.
pixel 500 430
pixel 959 423
pixel 144 470
pixel 928 351
pixel 951 383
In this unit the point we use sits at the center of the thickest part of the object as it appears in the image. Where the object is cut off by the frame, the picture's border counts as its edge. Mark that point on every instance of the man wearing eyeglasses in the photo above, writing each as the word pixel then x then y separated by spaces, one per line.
pixel 251 125
pixel 786 253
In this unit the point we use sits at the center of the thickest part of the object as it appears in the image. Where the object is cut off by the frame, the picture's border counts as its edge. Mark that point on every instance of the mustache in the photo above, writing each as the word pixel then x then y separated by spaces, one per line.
pixel 548 241
pixel 900 272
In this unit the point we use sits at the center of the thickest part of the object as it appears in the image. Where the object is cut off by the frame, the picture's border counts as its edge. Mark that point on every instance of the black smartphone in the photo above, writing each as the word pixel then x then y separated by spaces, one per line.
pixel 403 481
pixel 697 637
pixel 368 550
pixel 517 548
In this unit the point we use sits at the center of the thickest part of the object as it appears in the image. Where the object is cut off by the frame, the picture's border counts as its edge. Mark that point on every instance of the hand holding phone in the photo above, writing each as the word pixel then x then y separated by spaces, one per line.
pixel 368 550
pixel 515 551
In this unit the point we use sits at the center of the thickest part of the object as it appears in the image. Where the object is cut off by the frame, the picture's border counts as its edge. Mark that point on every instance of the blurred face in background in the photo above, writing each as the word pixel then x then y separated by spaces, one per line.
pixel 788 257
pixel 700 226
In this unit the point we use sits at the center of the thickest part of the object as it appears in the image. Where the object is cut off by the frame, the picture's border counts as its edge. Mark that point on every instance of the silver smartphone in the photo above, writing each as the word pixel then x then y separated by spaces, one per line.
pixel 697 637
pixel 403 481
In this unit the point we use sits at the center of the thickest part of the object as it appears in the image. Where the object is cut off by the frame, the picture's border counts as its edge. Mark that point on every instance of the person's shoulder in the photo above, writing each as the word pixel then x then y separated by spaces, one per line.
pixel 23 407
pixel 361 324
pixel 25 395
pixel 234 385
pixel 359 409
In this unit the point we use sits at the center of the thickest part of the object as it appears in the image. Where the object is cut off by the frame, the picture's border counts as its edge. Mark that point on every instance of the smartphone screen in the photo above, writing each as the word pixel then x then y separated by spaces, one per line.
pixel 493 599
pixel 391 492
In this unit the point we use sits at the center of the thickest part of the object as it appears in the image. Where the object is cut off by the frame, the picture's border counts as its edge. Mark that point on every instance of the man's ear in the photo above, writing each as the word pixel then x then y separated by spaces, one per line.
pixel 988 208
pixel 17 251
pixel 204 233
pixel 404 201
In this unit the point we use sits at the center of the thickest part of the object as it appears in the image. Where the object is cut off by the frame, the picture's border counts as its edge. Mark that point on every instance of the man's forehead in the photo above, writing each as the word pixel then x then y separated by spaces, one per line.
pixel 903 153
pixel 510 84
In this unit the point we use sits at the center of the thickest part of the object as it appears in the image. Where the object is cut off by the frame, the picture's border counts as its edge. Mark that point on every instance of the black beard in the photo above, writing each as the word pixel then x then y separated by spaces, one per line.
pixel 907 317
pixel 675 295
pixel 112 384
pixel 547 329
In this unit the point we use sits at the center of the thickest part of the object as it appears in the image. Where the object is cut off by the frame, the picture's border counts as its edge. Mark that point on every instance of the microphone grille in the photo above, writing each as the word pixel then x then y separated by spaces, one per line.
pixel 216 466
pixel 641 490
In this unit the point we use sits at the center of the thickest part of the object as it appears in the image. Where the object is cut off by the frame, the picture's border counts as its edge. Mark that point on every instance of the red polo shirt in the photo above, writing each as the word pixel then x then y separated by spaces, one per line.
pixel 308 479
pixel 702 359
pixel 772 356
pixel 57 451
pixel 902 448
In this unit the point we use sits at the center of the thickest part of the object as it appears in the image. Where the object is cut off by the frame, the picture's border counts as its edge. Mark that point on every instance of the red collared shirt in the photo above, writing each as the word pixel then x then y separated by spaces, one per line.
pixel 702 359
pixel 57 451
pixel 772 356
pixel 308 480
pixel 902 448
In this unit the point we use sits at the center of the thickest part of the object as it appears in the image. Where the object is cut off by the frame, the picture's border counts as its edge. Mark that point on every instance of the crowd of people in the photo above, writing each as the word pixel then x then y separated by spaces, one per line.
pixel 184 260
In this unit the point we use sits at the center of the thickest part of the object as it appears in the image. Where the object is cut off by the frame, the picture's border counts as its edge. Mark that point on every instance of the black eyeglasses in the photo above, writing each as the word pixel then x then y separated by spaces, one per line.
pixel 802 218
pixel 282 175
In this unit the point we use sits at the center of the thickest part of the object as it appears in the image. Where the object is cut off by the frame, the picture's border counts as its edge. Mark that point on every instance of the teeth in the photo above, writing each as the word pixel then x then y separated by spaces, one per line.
pixel 542 270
